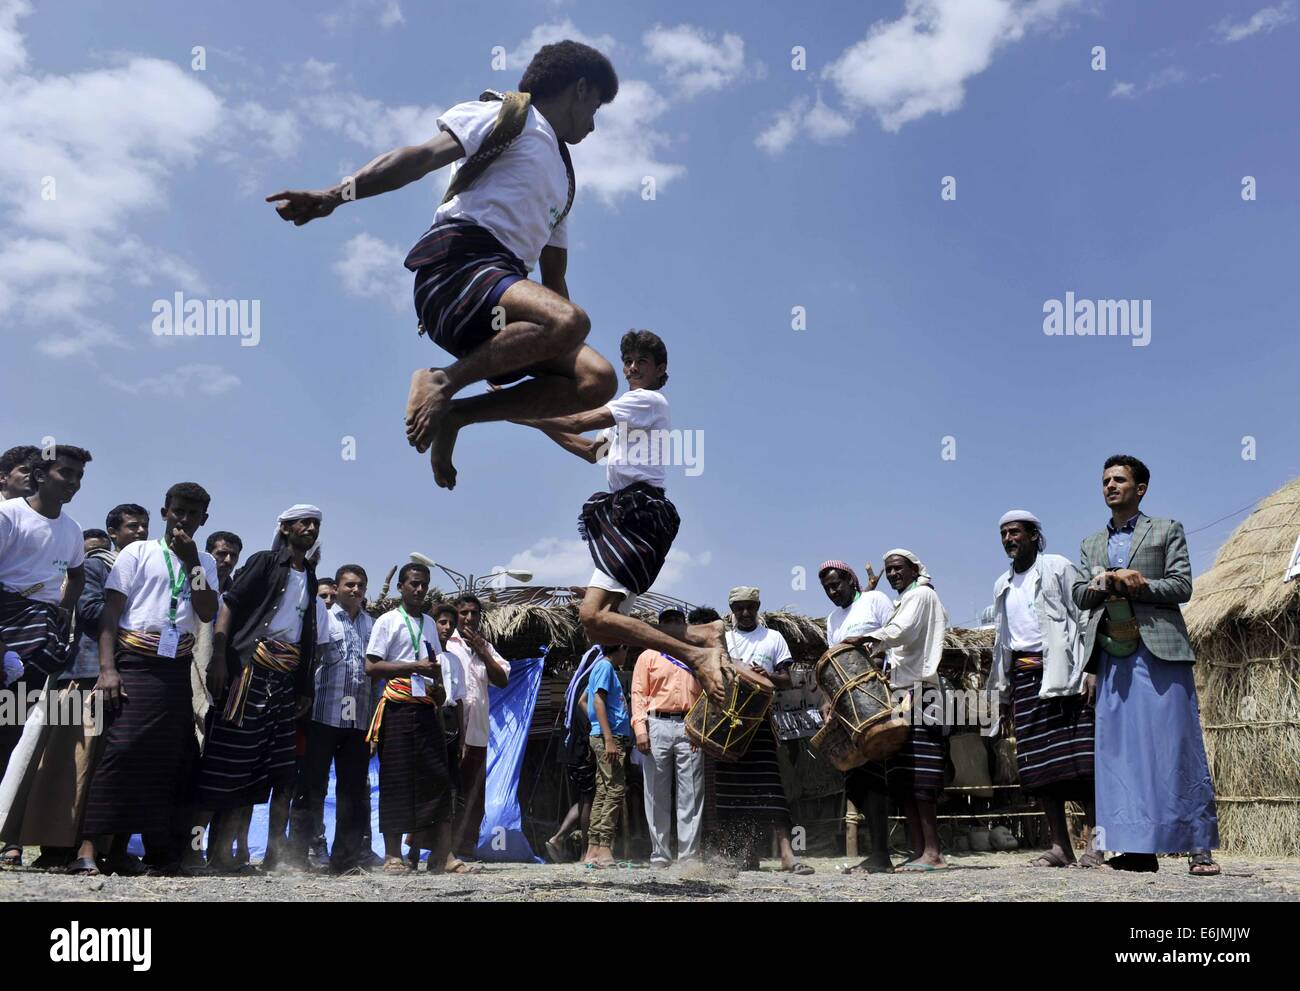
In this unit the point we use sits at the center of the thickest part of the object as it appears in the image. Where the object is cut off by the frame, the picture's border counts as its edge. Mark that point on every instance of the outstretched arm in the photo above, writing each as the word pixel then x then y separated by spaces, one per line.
pixel 391 170
pixel 567 431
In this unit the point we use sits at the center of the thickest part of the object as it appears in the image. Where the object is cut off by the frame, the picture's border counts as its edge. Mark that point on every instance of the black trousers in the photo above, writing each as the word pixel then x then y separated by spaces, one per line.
pixel 350 754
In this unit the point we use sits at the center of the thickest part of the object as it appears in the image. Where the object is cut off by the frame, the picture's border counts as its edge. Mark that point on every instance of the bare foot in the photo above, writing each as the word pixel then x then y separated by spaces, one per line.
pixel 715 672
pixel 444 442
pixel 426 405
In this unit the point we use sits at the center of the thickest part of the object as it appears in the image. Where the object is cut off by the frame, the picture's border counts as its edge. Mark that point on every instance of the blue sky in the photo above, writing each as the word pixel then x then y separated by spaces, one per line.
pixel 775 189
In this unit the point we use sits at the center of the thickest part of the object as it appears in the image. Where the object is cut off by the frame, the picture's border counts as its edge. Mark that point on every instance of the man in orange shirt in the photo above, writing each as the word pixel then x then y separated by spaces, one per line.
pixel 663 689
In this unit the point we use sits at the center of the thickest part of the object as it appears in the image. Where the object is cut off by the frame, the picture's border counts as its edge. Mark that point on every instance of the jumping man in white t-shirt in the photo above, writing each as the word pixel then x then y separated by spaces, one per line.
pixel 630 528
pixel 472 293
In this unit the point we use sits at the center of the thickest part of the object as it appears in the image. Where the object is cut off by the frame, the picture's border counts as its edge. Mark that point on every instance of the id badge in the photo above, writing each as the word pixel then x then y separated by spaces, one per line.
pixel 417 686
pixel 169 641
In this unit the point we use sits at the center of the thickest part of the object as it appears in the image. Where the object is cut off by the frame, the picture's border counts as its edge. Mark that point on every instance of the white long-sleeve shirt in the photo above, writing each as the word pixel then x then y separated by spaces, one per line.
pixel 914 635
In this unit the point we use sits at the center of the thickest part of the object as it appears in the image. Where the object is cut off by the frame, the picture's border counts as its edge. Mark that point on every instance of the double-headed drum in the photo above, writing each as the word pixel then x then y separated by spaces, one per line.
pixel 724 732
pixel 864 724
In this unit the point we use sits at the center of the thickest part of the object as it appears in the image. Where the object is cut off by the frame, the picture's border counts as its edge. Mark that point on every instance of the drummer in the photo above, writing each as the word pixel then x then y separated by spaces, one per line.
pixel 750 795
pixel 856 614
pixel 914 636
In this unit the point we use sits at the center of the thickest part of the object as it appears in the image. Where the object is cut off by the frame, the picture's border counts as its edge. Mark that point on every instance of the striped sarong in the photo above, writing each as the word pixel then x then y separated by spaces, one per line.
pixel 916 771
pixel 461 270
pixel 138 780
pixel 1054 739
pixel 243 761
pixel 271 655
pixel 414 783
pixel 396 690
pixel 32 630
pixel 750 788
pixel 629 533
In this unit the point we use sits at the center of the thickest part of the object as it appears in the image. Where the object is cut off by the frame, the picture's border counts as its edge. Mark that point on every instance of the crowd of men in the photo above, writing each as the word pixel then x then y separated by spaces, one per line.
pixel 1090 661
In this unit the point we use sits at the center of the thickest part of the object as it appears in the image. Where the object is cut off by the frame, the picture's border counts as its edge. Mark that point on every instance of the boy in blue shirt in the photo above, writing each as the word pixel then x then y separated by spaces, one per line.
pixel 611 739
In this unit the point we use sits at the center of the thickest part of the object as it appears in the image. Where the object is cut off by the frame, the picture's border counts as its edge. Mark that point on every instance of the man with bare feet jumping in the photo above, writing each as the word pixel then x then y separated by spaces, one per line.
pixel 504 214
pixel 630 528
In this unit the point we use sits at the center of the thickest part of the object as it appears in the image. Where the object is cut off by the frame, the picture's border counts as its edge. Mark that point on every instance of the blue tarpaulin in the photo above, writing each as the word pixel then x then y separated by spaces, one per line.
pixel 511 715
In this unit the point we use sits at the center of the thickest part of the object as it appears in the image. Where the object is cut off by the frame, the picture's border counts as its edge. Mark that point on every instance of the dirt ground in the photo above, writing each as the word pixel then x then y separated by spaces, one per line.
pixel 975 877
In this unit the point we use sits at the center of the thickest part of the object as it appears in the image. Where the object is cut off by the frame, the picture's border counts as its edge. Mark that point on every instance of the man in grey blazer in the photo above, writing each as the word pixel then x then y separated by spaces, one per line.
pixel 1154 793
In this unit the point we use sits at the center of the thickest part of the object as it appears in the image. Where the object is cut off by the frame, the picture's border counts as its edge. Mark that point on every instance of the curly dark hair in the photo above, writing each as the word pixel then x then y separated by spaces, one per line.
pixel 645 342
pixel 188 490
pixel 16 456
pixel 406 569
pixel 37 459
pixel 1141 474
pixel 555 67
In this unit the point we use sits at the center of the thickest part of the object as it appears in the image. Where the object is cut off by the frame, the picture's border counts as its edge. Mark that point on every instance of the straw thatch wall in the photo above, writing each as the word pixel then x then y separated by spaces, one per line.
pixel 1245 626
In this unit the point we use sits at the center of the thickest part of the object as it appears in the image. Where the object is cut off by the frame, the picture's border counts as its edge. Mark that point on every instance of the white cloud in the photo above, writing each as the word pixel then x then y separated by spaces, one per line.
pixel 560 561
pixel 348 15
pixel 82 154
pixel 276 132
pixel 811 118
pixel 920 63
pixel 1168 76
pixel 1265 20
pixel 693 60
pixel 548 34
pixel 370 123
pixel 613 161
pixel 373 269
pixel 180 383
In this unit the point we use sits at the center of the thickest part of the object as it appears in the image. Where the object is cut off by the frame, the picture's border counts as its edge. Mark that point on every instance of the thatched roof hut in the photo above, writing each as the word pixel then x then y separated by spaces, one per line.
pixel 1244 622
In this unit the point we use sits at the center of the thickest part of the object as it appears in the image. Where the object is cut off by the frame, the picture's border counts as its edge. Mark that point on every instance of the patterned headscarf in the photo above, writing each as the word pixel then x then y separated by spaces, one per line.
pixel 841 566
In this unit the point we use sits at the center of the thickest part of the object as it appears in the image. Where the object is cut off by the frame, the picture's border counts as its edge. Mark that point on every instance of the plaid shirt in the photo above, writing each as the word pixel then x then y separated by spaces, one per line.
pixel 341 674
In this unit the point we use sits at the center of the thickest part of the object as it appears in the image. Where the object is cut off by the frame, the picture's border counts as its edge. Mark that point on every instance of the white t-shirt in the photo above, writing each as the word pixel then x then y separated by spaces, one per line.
pixel 522 193
pixel 140 573
pixel 390 640
pixel 869 611
pixel 760 646
pixel 477 700
pixel 286 624
pixel 1022 619
pixel 36 550
pixel 638 439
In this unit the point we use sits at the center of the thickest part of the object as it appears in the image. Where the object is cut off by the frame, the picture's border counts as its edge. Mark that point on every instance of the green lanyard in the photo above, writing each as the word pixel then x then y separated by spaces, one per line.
pixel 177 583
pixel 415 637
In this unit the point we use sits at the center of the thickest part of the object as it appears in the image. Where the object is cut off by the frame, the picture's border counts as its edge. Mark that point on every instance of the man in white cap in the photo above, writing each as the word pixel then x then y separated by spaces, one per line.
pixel 1038 671
pixel 750 794
pixel 914 637
pixel 267 634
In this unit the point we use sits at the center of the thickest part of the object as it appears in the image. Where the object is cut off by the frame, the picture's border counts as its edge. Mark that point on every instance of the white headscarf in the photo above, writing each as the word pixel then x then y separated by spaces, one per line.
pixel 1025 516
pixel 924 577
pixel 302 511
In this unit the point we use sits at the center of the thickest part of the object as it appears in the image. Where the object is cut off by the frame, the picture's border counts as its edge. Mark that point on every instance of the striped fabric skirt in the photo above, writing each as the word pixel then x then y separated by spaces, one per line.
pixel 145 749
pixel 32 630
pixel 750 789
pixel 1054 740
pixel 629 533
pixel 241 764
pixel 461 271
pixel 414 784
pixel 916 771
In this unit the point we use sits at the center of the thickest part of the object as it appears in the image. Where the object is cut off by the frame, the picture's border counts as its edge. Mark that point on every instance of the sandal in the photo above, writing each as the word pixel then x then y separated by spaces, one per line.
pixel 1202 865
pixel 127 866
pixel 463 868
pixel 800 869
pixel 1051 859
pixel 84 867
pixel 919 867
pixel 396 867
pixel 1092 858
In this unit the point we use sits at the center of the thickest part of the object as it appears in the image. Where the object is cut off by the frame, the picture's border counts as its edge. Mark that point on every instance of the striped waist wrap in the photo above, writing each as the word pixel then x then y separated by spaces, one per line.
pixel 396 690
pixel 274 655
pixel 1026 661
pixel 146 644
